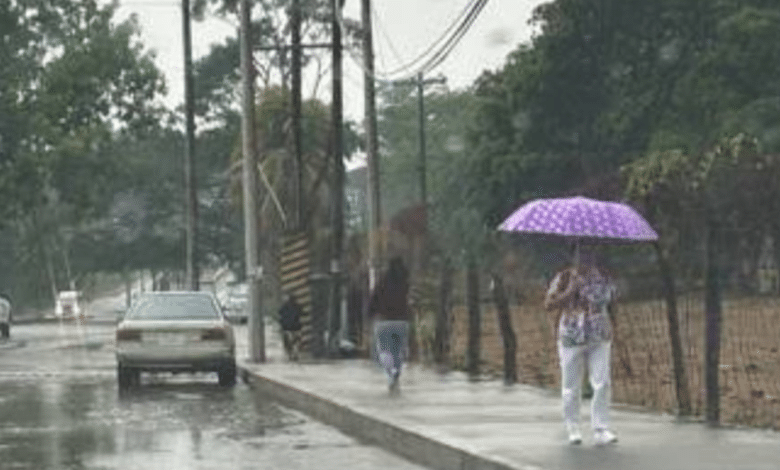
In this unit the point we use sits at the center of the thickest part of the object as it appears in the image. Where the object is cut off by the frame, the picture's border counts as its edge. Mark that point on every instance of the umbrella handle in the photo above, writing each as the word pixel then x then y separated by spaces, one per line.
pixel 577 255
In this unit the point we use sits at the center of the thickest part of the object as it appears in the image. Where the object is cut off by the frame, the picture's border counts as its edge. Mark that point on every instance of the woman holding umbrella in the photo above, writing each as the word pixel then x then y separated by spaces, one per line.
pixel 582 294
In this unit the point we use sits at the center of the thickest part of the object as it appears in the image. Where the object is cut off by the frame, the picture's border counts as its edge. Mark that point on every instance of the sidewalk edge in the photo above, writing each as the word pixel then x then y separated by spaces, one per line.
pixel 411 445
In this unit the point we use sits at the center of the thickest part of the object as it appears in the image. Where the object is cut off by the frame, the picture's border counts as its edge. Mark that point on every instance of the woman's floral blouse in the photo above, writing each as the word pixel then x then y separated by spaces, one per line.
pixel 580 325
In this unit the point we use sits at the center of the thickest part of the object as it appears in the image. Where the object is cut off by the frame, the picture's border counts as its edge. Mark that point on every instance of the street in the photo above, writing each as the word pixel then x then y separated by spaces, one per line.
pixel 61 409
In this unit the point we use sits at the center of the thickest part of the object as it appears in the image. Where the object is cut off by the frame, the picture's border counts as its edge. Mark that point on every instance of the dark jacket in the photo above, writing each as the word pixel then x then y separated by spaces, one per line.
pixel 290 316
pixel 389 301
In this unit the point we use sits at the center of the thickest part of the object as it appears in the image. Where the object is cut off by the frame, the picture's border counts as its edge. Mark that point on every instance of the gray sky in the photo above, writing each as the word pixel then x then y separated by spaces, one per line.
pixel 402 29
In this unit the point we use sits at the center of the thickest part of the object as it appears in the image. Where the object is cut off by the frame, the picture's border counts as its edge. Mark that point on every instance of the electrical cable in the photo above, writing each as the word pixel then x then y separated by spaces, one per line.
pixel 443 37
pixel 386 36
pixel 473 11
pixel 455 40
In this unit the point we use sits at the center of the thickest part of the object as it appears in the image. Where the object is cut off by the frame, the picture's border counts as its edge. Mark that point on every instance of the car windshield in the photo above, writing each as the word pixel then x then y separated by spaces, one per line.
pixel 174 307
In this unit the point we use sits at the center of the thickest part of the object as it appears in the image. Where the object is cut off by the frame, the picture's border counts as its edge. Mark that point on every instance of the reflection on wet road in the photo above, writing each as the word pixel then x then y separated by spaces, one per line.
pixel 60 409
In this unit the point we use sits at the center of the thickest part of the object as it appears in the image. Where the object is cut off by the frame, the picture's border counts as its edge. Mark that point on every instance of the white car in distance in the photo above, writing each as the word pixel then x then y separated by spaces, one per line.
pixel 175 332
pixel 68 305
pixel 235 303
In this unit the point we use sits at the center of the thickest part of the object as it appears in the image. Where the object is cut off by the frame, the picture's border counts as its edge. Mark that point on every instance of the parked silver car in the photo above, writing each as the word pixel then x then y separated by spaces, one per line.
pixel 175 332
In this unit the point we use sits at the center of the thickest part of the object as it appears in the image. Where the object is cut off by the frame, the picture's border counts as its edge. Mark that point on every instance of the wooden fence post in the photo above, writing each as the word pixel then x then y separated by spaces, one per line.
pixel 505 324
pixel 712 314
pixel 472 302
pixel 680 374
pixel 442 331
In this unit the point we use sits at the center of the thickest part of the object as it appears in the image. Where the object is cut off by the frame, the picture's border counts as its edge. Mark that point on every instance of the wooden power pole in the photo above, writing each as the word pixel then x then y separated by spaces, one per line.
pixel 337 203
pixel 190 182
pixel 421 82
pixel 256 321
pixel 297 192
pixel 372 147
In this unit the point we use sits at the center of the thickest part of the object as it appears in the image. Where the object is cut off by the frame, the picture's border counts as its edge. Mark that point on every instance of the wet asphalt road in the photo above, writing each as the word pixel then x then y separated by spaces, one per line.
pixel 60 409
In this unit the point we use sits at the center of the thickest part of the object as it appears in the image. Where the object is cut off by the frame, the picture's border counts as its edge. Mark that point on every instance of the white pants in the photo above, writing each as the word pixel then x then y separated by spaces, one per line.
pixel 573 358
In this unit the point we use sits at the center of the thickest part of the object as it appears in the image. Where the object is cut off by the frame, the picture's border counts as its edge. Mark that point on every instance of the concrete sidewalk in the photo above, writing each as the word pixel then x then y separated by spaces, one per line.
pixel 448 422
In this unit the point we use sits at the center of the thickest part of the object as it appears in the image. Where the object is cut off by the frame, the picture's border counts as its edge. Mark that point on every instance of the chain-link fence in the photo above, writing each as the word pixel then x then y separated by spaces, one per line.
pixel 643 375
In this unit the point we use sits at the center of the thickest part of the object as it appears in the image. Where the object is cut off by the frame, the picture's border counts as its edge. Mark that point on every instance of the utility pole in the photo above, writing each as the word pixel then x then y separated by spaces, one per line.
pixel 190 183
pixel 297 192
pixel 249 145
pixel 337 211
pixel 421 114
pixel 372 157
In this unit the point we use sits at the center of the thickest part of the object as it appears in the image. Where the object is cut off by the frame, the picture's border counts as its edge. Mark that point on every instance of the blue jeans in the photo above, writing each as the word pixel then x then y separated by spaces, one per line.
pixel 391 338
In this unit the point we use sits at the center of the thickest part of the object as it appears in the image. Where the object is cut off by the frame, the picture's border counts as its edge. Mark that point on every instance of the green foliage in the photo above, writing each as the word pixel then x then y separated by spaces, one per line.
pixel 454 221
pixel 215 77
pixel 605 82
pixel 217 74
pixel 733 185
pixel 71 80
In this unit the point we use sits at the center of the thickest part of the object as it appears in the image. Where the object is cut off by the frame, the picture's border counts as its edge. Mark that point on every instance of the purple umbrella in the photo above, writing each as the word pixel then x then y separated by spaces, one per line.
pixel 580 220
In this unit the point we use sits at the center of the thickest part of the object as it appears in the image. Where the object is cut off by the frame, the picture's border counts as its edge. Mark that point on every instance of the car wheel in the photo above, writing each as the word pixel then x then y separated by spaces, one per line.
pixel 227 374
pixel 126 376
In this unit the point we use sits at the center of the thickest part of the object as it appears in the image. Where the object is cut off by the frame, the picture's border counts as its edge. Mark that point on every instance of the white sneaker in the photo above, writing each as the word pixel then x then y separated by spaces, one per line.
pixel 604 436
pixel 575 436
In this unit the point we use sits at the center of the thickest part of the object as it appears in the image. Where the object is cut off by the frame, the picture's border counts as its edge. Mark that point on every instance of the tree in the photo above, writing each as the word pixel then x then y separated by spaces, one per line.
pixel 70 79
pixel 78 76
pixel 216 75
pixel 604 82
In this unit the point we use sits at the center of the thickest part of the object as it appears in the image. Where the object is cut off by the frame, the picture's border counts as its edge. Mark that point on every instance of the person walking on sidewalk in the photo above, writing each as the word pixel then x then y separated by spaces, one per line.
pixel 582 294
pixel 389 309
pixel 290 321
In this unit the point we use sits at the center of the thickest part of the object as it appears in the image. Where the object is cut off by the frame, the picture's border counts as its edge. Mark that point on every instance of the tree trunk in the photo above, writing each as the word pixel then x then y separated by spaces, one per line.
pixel 47 257
pixel 712 326
pixel 680 374
pixel 472 301
pixel 50 270
pixel 507 334
pixel 442 334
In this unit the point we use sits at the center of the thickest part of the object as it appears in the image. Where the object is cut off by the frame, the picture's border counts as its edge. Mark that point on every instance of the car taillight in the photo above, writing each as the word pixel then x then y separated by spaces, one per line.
pixel 213 334
pixel 128 335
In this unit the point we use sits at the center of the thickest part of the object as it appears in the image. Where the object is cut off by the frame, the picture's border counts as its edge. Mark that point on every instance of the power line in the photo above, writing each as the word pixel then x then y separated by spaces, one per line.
pixel 457 31
pixel 460 18
pixel 387 37
pixel 463 28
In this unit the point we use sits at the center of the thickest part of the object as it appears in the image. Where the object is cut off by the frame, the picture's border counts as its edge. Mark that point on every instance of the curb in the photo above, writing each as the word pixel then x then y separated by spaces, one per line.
pixel 413 446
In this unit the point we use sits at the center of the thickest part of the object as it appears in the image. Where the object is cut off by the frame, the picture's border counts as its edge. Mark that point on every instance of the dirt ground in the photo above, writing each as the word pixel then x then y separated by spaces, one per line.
pixel 642 371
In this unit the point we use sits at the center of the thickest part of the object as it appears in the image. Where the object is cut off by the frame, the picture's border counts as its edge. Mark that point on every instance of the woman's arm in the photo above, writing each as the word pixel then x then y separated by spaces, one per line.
pixel 555 298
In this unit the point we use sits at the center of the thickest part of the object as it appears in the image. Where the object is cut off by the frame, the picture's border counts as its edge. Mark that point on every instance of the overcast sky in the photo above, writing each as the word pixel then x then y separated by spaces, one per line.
pixel 402 29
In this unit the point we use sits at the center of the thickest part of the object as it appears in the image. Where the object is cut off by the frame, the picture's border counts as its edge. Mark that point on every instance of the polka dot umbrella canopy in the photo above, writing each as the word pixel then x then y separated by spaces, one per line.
pixel 580 220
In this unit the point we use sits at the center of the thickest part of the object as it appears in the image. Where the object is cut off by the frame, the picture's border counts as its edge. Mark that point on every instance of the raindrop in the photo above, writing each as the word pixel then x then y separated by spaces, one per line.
pixel 670 51
pixel 499 37
pixel 454 144
pixel 521 121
